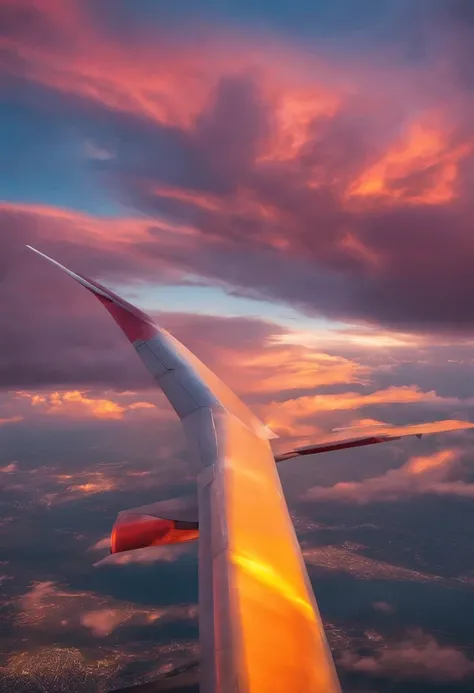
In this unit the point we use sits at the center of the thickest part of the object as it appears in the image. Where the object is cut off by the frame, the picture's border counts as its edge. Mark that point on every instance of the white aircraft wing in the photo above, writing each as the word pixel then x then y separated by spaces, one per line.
pixel 260 628
pixel 380 434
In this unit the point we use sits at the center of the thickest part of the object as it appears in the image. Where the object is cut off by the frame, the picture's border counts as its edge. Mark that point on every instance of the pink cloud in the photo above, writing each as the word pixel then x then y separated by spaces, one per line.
pixel 48 605
pixel 307 179
pixel 294 414
pixel 420 475
pixel 10 419
pixel 418 657
pixel 9 468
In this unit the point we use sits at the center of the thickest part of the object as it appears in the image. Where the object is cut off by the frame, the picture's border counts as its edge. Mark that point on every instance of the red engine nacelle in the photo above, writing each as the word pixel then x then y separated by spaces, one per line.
pixel 139 531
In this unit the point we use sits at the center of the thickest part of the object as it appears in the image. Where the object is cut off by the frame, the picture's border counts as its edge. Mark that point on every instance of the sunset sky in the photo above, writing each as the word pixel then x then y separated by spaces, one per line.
pixel 287 187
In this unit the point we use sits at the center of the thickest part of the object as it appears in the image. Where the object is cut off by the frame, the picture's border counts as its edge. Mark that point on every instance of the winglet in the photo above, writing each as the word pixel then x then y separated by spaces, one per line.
pixel 136 324
pixel 82 280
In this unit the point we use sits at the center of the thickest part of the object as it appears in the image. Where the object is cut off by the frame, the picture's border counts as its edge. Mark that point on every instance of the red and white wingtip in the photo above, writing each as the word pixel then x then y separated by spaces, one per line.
pixel 136 324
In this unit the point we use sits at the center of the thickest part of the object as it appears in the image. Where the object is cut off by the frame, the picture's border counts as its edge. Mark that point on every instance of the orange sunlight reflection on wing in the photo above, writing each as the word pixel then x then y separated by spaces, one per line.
pixel 283 639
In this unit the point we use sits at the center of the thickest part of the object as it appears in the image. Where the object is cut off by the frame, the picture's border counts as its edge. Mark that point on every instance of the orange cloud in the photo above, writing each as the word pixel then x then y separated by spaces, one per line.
pixel 295 112
pixel 100 70
pixel 101 484
pixel 291 415
pixel 276 368
pixel 76 404
pixel 423 149
pixel 373 338
pixel 423 465
pixel 300 88
pixel 124 78
pixel 10 419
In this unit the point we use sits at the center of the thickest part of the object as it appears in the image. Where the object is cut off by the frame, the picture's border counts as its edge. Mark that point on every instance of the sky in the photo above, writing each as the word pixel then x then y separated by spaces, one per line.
pixel 286 187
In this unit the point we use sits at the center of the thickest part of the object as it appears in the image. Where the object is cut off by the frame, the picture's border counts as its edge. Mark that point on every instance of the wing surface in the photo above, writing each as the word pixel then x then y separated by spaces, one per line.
pixel 260 628
pixel 389 433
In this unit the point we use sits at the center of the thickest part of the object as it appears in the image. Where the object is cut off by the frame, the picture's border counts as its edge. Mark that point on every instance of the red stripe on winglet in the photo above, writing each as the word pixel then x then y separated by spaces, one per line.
pixel 134 327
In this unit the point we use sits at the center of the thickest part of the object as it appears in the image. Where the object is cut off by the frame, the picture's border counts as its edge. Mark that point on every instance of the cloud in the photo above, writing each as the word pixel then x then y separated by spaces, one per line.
pixel 426 474
pixel 383 607
pixel 57 334
pixel 422 168
pixel 77 404
pixel 102 622
pixel 101 544
pixel 418 657
pixel 9 468
pixel 295 175
pixel 292 414
pixel 48 605
pixel 10 419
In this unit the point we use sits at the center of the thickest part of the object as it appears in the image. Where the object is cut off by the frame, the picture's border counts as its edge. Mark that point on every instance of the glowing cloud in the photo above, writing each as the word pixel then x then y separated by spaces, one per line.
pixel 76 404
pixel 49 605
pixel 10 420
pixel 420 475
pixel 421 168
pixel 292 415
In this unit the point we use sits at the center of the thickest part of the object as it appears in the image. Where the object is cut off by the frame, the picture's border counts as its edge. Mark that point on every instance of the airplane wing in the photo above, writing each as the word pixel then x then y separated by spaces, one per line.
pixel 260 628
pixel 387 434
